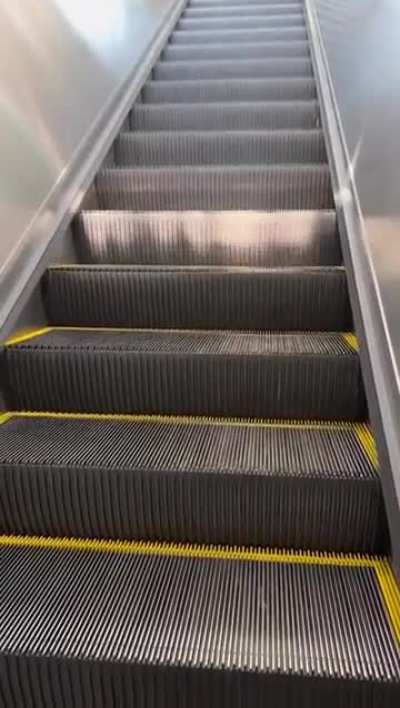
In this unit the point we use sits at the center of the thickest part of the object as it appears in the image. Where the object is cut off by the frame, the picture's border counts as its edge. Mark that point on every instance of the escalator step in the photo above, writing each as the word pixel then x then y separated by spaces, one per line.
pixel 274 34
pixel 199 297
pixel 216 481
pixel 217 148
pixel 230 69
pixel 191 24
pixel 242 10
pixel 276 187
pixel 181 52
pixel 216 238
pixel 239 3
pixel 220 90
pixel 282 115
pixel 91 623
pixel 269 375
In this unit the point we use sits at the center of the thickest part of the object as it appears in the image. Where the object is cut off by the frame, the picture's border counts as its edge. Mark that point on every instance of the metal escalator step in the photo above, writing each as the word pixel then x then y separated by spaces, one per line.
pixel 281 115
pixel 275 187
pixel 242 10
pixel 217 148
pixel 208 238
pixel 212 4
pixel 199 297
pixel 191 24
pixel 90 623
pixel 274 34
pixel 220 90
pixel 259 50
pixel 269 375
pixel 311 486
pixel 230 69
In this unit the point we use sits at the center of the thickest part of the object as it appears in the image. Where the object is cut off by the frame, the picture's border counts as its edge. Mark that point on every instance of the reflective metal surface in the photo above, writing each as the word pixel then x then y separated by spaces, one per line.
pixel 358 43
pixel 69 71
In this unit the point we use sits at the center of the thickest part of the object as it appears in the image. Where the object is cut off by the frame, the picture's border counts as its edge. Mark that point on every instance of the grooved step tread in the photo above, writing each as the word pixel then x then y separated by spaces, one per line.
pixel 258 50
pixel 232 69
pixel 298 238
pixel 220 147
pixel 216 624
pixel 220 90
pixel 199 297
pixel 215 187
pixel 309 486
pixel 236 36
pixel 273 375
pixel 190 24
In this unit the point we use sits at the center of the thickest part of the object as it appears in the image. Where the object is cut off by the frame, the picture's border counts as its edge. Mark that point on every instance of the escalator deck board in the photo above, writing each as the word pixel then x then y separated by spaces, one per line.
pixel 272 375
pixel 300 485
pixel 195 610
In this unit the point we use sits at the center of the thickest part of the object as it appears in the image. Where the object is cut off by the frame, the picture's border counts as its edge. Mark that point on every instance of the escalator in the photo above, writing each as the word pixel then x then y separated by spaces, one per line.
pixel 190 502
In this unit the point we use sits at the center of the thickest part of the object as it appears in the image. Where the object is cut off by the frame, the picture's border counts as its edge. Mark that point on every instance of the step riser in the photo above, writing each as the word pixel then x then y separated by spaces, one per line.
pixel 243 11
pixel 138 149
pixel 226 23
pixel 207 52
pixel 226 116
pixel 291 387
pixel 215 238
pixel 317 301
pixel 218 91
pixel 192 71
pixel 252 511
pixel 275 34
pixel 302 187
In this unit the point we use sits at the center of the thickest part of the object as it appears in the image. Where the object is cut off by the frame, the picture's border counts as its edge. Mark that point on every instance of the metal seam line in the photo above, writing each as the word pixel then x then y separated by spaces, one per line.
pixel 387 584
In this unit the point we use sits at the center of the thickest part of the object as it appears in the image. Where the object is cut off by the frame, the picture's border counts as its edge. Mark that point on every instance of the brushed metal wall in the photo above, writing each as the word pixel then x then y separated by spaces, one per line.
pixel 361 46
pixel 63 63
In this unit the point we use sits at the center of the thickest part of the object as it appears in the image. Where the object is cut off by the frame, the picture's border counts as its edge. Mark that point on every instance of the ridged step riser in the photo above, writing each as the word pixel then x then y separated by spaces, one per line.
pixel 295 115
pixel 219 374
pixel 242 11
pixel 207 52
pixel 199 299
pixel 213 188
pixel 226 23
pixel 232 90
pixel 248 69
pixel 298 487
pixel 278 147
pixel 214 238
pixel 275 34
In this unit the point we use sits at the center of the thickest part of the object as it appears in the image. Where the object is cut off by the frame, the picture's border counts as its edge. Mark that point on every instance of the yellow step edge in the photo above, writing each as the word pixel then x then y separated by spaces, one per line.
pixel 368 443
pixel 361 429
pixel 190 550
pixel 387 583
pixel 351 339
pixel 348 337
pixel 4 417
pixel 25 335
pixel 390 592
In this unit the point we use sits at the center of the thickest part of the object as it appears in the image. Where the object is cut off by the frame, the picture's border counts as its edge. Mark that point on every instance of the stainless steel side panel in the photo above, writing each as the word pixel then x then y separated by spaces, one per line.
pixel 69 69
pixel 357 49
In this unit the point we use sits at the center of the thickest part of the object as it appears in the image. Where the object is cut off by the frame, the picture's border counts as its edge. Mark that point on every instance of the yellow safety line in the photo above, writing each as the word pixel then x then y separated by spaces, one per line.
pixel 189 550
pixel 4 417
pixel 351 340
pixel 390 591
pixel 196 420
pixel 367 441
pixel 27 334
pixel 348 337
